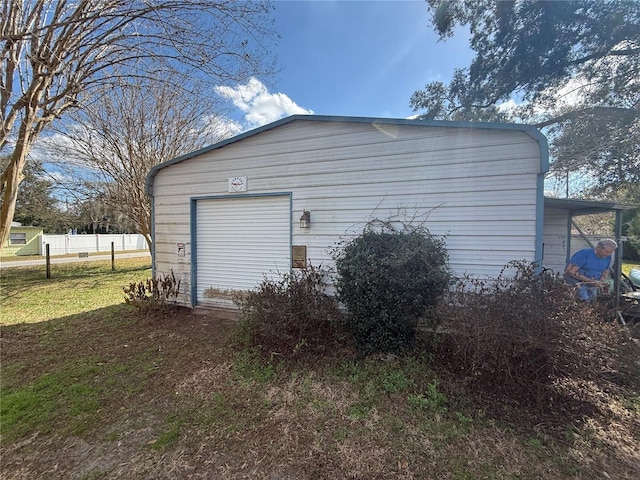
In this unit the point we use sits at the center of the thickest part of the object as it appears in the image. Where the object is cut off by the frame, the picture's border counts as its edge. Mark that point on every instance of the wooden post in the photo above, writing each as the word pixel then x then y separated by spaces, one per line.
pixel 48 261
pixel 113 256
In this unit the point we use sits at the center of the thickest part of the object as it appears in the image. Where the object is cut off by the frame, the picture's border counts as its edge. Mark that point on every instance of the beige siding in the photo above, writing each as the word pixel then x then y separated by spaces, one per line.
pixel 477 187
pixel 555 239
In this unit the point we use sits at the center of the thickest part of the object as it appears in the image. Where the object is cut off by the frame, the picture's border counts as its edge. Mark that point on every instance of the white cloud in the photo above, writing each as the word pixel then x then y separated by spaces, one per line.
pixel 510 106
pixel 572 93
pixel 258 104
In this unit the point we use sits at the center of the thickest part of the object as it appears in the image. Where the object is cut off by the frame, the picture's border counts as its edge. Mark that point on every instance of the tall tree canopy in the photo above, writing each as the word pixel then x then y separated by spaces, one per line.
pixel 573 66
pixel 37 204
pixel 57 54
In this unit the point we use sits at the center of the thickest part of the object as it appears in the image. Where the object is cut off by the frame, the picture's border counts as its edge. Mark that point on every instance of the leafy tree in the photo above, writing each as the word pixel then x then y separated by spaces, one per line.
pixel 57 54
pixel 36 204
pixel 573 65
pixel 94 215
pixel 631 224
pixel 631 229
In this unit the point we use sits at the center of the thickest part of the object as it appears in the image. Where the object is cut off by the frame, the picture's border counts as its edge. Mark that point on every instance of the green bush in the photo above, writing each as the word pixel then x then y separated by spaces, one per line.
pixel 290 318
pixel 388 279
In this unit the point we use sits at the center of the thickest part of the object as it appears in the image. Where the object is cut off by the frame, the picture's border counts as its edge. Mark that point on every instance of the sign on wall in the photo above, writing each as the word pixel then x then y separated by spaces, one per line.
pixel 237 184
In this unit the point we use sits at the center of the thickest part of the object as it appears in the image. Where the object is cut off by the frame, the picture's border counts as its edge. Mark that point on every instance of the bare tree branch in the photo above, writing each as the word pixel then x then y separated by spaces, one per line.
pixel 129 130
pixel 56 53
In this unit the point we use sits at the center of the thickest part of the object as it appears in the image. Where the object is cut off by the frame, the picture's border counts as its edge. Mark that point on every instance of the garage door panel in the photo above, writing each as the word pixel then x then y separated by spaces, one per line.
pixel 239 241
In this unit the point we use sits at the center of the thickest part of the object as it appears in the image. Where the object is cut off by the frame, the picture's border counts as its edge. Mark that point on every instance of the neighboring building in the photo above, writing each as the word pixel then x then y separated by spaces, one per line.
pixel 32 241
pixel 22 241
pixel 229 214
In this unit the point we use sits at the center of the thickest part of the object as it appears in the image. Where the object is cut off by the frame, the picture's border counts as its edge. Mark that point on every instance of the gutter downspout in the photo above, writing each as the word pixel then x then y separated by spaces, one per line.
pixel 544 168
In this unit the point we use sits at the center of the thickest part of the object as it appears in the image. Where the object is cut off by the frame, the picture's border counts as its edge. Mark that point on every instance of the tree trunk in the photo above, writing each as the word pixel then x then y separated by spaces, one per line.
pixel 11 179
pixel 144 222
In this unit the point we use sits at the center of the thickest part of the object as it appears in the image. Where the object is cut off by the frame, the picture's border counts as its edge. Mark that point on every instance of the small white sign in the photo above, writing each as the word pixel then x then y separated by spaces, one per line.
pixel 238 184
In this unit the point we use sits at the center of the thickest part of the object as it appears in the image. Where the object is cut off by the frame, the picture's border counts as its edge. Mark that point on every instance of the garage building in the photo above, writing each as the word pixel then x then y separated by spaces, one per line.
pixel 285 194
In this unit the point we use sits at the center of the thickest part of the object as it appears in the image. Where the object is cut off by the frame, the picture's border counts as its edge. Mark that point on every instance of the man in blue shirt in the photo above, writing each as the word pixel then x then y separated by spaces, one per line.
pixel 589 269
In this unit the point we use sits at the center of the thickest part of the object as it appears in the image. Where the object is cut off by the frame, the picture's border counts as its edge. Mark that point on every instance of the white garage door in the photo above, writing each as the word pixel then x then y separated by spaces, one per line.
pixel 239 241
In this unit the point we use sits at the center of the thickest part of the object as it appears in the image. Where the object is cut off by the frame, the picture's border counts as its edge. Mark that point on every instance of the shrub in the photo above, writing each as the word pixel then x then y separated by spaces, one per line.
pixel 290 317
pixel 153 292
pixel 388 279
pixel 518 334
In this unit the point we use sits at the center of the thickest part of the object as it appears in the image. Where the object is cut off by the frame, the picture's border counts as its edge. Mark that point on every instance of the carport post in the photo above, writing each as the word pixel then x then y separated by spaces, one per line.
pixel 618 265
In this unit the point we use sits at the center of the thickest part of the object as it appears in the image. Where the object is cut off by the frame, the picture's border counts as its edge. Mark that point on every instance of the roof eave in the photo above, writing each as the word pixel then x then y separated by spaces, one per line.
pixel 586 207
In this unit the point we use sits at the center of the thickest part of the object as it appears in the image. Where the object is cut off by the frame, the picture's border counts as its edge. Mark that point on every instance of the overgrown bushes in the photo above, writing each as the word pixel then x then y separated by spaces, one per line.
pixel 518 334
pixel 388 278
pixel 290 317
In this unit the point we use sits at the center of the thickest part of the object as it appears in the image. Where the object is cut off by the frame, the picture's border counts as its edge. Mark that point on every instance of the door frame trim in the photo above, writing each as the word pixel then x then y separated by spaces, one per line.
pixel 194 229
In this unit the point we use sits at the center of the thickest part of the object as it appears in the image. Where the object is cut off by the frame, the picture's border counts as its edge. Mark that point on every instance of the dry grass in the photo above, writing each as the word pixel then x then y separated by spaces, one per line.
pixel 176 400
pixel 111 393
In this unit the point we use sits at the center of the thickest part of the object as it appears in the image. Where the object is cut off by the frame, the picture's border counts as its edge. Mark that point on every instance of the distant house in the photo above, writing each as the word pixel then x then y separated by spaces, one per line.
pixel 284 194
pixel 23 240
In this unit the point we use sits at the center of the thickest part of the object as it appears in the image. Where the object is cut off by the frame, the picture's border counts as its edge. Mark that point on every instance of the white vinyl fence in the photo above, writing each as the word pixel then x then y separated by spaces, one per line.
pixel 90 243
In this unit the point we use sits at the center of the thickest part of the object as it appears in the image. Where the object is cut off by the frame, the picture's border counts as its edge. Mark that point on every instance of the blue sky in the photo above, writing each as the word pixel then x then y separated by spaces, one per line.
pixel 352 58
pixel 359 57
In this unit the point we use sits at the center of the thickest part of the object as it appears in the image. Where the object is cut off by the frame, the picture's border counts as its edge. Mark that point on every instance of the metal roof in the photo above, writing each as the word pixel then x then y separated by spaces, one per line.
pixel 377 122
pixel 586 207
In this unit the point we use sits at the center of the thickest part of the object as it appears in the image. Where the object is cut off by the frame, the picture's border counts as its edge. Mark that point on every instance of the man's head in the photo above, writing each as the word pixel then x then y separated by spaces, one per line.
pixel 606 247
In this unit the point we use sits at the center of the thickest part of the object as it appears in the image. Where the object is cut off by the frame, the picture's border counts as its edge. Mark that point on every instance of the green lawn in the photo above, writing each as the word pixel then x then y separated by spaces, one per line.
pixel 27 296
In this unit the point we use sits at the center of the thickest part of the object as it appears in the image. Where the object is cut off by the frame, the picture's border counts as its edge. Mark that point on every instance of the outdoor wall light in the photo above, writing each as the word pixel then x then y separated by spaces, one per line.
pixel 305 219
